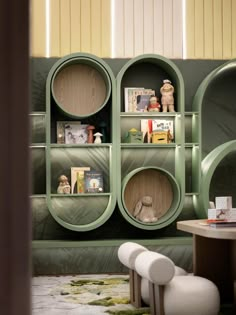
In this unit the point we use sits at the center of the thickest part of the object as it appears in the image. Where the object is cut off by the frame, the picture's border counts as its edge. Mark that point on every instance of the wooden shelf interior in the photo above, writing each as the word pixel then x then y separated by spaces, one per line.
pixel 80 89
pixel 149 182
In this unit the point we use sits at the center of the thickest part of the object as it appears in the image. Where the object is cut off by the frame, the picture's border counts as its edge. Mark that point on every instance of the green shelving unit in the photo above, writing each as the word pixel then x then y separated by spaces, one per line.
pixel 80 87
pixel 220 80
pixel 157 170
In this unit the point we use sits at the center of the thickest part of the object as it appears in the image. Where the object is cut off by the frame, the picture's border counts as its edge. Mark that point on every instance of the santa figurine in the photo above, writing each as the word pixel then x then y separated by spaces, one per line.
pixel 167 98
pixel 154 105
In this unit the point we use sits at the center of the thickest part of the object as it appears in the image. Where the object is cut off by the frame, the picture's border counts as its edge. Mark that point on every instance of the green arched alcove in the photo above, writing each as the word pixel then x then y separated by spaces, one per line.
pixel 215 102
pixel 149 71
pixel 80 87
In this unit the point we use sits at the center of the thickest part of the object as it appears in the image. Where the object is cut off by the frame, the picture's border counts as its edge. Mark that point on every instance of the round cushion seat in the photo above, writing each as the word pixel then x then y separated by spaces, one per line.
pixel 145 284
pixel 191 295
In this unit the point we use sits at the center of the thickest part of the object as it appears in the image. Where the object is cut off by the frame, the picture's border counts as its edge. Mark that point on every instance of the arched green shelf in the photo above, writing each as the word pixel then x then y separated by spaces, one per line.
pixel 159 184
pixel 80 212
pixel 204 167
pixel 208 167
pixel 149 71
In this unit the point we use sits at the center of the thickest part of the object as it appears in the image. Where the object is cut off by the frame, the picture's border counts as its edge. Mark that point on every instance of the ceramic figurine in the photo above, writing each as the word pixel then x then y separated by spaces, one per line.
pixel 144 211
pixel 90 133
pixel 64 186
pixel 98 136
pixel 154 105
pixel 167 99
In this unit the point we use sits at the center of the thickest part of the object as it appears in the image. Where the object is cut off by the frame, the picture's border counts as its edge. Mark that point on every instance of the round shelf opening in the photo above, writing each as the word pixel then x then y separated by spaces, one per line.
pixel 160 186
pixel 81 87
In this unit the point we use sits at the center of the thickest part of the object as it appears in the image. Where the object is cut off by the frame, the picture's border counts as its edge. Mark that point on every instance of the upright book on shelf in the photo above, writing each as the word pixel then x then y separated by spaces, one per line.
pixel 93 181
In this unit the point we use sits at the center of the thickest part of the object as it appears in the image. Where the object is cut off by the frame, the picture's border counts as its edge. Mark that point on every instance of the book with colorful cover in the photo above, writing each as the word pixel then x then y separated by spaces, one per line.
pixel 128 97
pixel 77 179
pixel 93 181
pixel 131 95
pixel 165 125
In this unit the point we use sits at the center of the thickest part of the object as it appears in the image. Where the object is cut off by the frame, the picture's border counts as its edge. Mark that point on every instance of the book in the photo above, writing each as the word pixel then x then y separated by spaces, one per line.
pixel 76 133
pixel 164 125
pixel 142 102
pixel 131 95
pixel 61 129
pixel 146 128
pixel 128 97
pixel 93 181
pixel 221 224
pixel 77 179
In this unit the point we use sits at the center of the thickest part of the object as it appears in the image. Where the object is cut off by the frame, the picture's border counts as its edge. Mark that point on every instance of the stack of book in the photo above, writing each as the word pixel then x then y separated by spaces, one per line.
pixel 222 214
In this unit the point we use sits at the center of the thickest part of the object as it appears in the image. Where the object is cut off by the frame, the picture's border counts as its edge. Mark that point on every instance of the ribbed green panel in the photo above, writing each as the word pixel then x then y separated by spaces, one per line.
pixel 38 127
pixel 46 228
pixel 97 158
pixel 99 259
pixel 79 211
pixel 141 157
pixel 38 159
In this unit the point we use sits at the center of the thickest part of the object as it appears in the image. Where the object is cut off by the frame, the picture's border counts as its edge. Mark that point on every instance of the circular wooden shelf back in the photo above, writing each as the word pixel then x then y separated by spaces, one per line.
pixel 80 89
pixel 153 183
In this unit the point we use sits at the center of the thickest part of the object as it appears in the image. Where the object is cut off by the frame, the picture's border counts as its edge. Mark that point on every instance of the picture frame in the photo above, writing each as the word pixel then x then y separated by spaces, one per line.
pixel 61 130
pixel 77 179
pixel 76 133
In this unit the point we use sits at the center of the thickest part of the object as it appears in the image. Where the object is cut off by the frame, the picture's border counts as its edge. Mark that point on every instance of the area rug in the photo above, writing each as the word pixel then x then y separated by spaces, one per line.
pixel 83 295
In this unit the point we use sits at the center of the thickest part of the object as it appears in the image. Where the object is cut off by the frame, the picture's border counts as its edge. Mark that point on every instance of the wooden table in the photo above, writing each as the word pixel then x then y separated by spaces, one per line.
pixel 214 256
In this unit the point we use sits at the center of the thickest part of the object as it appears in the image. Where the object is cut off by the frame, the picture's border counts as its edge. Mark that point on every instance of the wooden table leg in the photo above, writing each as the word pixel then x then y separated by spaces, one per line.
pixel 211 260
pixel 233 269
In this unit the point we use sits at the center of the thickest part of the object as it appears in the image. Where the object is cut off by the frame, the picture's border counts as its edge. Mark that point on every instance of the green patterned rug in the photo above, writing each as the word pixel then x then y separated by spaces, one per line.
pixel 90 295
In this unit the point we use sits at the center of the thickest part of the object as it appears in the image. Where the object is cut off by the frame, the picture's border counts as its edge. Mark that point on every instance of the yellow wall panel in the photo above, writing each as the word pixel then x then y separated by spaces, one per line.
pixel 198 29
pixel 96 27
pixel 85 26
pixel 208 29
pixel 75 13
pixel 106 28
pixel 65 27
pixel 38 28
pixel 190 28
pixel 233 28
pixel 227 33
pixel 55 28
pixel 217 35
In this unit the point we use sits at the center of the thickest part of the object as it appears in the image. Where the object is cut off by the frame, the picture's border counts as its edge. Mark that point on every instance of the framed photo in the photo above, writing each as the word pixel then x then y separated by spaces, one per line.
pixel 61 129
pixel 76 133
pixel 77 179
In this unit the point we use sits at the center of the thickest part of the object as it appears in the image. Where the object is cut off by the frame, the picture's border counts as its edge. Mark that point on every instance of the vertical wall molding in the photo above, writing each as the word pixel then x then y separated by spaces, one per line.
pixel 140 26
pixel 211 29
pixel 150 26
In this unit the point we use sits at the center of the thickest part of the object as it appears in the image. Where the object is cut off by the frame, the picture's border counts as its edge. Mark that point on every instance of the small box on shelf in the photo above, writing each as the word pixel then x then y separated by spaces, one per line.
pixel 133 136
pixel 223 202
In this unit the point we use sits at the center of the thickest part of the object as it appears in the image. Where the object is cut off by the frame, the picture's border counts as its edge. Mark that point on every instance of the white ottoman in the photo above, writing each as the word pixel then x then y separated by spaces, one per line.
pixel 191 295
pixel 174 294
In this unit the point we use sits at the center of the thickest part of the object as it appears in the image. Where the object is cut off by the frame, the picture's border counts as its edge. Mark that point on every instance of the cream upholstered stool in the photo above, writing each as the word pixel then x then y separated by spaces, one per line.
pixel 127 254
pixel 169 294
